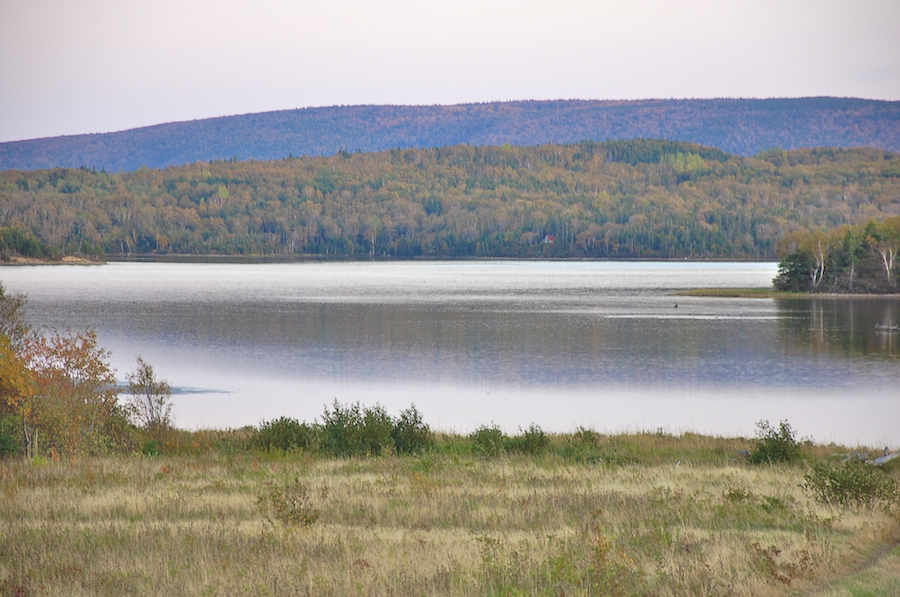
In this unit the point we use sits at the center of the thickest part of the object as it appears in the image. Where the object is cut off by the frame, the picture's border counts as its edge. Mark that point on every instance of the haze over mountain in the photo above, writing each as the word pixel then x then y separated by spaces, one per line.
pixel 738 126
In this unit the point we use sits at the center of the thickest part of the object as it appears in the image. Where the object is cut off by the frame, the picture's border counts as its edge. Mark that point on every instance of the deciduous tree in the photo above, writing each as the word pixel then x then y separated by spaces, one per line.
pixel 150 403
pixel 74 397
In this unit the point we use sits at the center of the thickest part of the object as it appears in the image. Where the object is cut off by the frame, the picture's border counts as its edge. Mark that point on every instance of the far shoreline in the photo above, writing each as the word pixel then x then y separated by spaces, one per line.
pixel 770 293
pixel 320 258
pixel 67 260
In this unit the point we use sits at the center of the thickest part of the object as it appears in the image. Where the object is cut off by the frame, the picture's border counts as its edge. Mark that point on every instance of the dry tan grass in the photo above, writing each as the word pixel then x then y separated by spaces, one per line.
pixel 437 524
pixel 879 577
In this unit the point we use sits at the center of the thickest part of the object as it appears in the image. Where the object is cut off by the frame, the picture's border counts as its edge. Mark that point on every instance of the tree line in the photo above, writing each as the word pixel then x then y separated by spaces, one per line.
pixel 847 259
pixel 618 199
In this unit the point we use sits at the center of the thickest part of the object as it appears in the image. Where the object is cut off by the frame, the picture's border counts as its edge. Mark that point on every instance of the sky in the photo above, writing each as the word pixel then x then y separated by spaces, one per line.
pixel 91 66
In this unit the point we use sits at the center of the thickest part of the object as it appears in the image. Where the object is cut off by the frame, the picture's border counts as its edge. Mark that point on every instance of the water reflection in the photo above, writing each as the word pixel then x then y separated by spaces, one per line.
pixel 506 343
pixel 523 344
pixel 842 326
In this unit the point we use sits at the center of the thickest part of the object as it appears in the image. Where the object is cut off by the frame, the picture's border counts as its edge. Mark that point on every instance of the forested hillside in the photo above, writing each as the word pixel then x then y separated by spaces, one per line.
pixel 739 126
pixel 624 199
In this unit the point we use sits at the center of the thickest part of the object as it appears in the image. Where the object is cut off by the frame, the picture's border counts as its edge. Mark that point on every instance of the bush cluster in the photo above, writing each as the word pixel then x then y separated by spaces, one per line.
pixel 356 431
pixel 775 444
pixel 285 434
pixel 410 434
pixel 532 441
pixel 488 441
pixel 348 430
pixel 584 446
pixel 852 483
pixel 491 441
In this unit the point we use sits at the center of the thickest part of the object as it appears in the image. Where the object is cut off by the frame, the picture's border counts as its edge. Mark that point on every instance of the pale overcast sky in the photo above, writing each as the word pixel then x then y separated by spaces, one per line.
pixel 90 66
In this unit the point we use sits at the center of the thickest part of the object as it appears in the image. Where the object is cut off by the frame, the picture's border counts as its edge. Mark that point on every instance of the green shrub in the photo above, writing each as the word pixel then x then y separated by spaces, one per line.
pixel 150 448
pixel 852 483
pixel 410 434
pixel 487 441
pixel 774 445
pixel 285 434
pixel 342 430
pixel 532 441
pixel 354 431
pixel 376 431
pixel 583 446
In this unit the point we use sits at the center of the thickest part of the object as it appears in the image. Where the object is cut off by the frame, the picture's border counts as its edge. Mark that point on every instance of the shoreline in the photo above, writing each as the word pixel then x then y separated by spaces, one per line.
pixel 299 258
pixel 769 293
pixel 67 260
pixel 310 258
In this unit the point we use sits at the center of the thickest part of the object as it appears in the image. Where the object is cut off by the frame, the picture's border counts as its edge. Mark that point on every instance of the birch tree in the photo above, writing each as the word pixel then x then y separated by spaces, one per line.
pixel 885 242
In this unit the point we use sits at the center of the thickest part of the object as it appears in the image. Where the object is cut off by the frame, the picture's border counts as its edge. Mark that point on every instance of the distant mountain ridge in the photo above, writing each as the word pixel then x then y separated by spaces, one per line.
pixel 738 126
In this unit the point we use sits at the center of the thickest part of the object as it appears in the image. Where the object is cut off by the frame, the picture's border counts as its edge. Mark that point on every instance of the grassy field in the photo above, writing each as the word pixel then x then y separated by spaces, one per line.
pixel 643 514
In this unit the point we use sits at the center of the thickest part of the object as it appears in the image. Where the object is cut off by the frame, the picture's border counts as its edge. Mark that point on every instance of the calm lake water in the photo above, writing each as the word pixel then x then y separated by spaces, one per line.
pixel 599 344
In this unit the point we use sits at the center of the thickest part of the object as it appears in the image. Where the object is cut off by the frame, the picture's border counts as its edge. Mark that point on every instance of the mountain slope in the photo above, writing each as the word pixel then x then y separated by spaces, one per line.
pixel 742 127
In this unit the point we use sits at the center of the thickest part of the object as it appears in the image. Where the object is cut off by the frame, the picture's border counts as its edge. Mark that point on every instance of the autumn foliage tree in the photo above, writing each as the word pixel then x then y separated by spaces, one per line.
pixel 74 399
pixel 15 387
pixel 15 378
pixel 58 394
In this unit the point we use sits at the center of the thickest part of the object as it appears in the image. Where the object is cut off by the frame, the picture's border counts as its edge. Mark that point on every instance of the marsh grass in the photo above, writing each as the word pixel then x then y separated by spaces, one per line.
pixel 589 514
